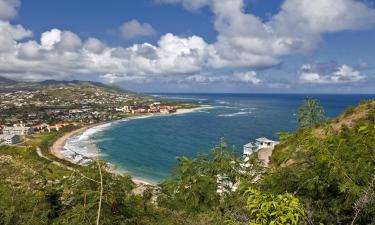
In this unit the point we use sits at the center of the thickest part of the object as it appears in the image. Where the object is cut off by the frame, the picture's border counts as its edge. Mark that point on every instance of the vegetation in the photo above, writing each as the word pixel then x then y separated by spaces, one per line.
pixel 324 173
pixel 311 114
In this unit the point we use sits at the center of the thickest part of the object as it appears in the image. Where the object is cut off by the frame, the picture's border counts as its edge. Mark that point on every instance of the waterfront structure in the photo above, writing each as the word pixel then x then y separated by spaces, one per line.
pixel 9 139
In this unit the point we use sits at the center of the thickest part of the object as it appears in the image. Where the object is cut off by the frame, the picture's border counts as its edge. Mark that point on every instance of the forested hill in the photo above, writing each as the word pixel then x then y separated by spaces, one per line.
pixel 330 167
pixel 8 85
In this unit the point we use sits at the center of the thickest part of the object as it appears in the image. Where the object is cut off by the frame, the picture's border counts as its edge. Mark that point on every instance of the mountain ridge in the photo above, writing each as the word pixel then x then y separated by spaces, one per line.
pixel 9 85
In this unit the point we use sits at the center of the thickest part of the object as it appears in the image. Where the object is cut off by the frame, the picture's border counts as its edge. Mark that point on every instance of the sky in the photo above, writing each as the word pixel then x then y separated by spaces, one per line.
pixel 230 46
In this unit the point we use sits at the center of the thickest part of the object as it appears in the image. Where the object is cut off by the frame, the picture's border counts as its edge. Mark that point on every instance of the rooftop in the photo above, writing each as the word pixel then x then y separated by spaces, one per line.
pixel 263 139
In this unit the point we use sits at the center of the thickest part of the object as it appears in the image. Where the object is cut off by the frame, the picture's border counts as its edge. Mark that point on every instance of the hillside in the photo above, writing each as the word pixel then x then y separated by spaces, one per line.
pixel 330 167
pixel 8 85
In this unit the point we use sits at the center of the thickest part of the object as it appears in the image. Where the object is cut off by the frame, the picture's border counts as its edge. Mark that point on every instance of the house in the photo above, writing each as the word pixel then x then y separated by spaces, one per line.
pixel 9 139
pixel 18 130
pixel 260 143
pixel 249 148
pixel 265 143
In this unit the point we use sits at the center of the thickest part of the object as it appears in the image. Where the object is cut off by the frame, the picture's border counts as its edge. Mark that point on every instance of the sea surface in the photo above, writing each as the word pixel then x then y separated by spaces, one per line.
pixel 147 148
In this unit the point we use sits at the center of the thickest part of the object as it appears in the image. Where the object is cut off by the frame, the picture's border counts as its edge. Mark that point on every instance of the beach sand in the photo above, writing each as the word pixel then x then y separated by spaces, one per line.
pixel 58 145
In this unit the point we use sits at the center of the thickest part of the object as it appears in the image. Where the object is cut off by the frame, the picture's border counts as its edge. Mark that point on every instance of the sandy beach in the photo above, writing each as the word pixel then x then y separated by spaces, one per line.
pixel 58 146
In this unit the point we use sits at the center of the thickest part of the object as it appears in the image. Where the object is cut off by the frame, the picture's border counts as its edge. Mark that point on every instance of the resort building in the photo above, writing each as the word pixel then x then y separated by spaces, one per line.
pixel 19 130
pixel 9 139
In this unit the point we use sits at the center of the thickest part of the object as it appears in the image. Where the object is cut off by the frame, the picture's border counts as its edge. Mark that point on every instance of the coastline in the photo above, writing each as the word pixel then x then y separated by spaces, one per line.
pixel 58 147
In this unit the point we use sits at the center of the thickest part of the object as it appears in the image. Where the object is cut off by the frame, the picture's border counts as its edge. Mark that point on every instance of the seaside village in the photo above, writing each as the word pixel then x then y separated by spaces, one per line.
pixel 23 113
pixel 12 133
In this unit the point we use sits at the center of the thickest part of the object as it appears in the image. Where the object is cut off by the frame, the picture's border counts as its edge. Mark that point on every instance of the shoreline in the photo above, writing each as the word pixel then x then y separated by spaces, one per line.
pixel 58 147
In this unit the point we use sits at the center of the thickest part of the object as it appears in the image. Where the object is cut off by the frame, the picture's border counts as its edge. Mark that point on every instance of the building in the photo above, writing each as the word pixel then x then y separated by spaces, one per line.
pixel 39 127
pixel 21 130
pixel 56 127
pixel 9 139
pixel 260 143
pixel 125 109
pixel 249 148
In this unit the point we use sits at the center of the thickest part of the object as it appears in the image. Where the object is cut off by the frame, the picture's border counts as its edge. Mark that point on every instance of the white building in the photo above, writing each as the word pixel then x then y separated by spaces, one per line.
pixel 260 143
pixel 18 130
pixel 125 109
pixel 9 139
pixel 265 143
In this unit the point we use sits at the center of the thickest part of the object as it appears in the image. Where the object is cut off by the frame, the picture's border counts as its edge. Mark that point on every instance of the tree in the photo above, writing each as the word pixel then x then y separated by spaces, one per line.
pixel 311 114
pixel 193 185
pixel 270 209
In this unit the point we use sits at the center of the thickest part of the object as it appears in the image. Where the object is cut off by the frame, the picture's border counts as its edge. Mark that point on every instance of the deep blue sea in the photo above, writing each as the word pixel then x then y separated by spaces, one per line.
pixel 147 148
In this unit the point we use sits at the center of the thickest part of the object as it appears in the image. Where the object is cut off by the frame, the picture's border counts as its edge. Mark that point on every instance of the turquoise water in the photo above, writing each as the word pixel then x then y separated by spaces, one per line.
pixel 147 148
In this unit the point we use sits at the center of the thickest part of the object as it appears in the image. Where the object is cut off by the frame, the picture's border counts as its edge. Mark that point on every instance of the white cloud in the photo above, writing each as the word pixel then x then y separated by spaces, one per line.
pixel 50 38
pixel 9 8
pixel 94 45
pixel 134 28
pixel 312 73
pixel 245 42
pixel 248 77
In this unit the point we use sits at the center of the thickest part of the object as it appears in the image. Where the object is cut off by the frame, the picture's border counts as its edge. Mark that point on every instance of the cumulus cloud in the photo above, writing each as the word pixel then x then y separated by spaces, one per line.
pixel 245 42
pixel 9 8
pixel 317 74
pixel 248 77
pixel 134 28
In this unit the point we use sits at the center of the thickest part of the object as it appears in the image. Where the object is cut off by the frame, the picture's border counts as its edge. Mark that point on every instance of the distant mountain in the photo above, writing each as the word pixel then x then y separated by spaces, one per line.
pixel 5 81
pixel 8 85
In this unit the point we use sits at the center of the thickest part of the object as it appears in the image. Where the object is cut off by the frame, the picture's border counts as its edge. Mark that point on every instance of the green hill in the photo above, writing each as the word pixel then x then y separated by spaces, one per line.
pixel 330 167
pixel 8 85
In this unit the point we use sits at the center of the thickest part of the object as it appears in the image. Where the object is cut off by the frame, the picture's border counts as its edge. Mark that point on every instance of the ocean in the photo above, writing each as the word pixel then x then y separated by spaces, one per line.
pixel 147 148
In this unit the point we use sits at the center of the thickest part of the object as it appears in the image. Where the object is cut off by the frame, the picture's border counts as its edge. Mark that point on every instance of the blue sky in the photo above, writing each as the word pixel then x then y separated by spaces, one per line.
pixel 323 46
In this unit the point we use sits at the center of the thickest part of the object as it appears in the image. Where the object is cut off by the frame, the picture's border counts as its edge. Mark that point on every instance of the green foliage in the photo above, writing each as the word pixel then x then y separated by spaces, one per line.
pixel 328 172
pixel 267 209
pixel 192 188
pixel 311 114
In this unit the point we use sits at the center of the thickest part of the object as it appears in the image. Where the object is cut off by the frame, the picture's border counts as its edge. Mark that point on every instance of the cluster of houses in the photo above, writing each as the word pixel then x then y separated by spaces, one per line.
pixel 86 96
pixel 155 107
